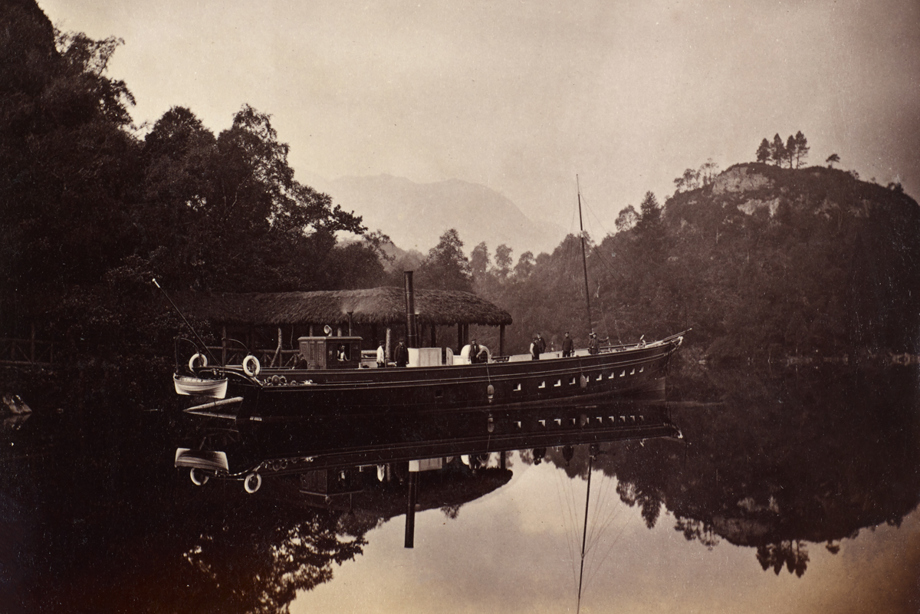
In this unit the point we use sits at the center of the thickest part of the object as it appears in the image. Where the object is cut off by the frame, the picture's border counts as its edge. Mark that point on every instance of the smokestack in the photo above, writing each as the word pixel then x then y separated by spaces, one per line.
pixel 411 336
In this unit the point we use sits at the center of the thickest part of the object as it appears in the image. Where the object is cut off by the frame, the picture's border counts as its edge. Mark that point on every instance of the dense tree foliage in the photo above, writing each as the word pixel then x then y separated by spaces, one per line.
pixel 763 262
pixel 446 267
pixel 92 209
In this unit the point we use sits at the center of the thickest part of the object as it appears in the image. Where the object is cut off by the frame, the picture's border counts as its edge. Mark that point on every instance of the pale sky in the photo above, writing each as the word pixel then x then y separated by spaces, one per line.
pixel 522 96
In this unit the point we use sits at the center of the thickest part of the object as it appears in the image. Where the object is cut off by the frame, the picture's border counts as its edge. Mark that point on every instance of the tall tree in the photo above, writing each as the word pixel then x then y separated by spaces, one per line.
pixel 525 266
pixel 626 219
pixel 446 267
pixel 801 148
pixel 791 149
pixel 479 260
pixel 777 150
pixel 503 261
pixel 763 152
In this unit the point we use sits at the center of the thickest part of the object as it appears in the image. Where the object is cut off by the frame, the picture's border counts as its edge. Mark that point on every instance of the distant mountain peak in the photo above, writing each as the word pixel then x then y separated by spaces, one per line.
pixel 414 215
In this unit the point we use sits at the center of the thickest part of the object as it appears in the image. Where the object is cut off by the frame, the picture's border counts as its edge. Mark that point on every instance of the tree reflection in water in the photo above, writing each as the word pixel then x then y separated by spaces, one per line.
pixel 783 461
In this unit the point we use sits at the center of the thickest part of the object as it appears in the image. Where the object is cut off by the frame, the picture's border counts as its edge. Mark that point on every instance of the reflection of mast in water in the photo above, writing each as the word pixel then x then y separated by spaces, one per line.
pixel 599 525
pixel 584 535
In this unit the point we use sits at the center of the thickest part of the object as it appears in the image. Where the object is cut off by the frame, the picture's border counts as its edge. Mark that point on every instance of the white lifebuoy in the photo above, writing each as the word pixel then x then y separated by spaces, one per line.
pixel 251 366
pixel 195 357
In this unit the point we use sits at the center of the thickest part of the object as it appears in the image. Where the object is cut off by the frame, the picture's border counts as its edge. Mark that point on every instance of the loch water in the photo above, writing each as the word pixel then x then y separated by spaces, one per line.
pixel 790 490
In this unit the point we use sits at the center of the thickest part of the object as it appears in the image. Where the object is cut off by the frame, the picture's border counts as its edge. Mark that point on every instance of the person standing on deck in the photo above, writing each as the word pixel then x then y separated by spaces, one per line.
pixel 401 354
pixel 474 352
pixel 592 344
pixel 541 343
pixel 381 357
pixel 568 346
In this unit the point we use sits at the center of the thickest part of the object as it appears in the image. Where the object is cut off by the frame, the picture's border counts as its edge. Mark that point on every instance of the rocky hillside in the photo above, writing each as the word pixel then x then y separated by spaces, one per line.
pixel 801 259
pixel 762 263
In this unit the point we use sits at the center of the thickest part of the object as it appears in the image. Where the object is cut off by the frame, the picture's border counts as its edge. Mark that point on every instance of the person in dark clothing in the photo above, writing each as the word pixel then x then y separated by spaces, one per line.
pixel 568 346
pixel 535 349
pixel 474 352
pixel 401 354
pixel 541 343
pixel 593 347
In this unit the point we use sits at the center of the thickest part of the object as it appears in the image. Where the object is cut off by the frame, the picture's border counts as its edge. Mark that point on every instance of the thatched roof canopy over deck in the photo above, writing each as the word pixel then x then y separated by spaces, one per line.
pixel 377 306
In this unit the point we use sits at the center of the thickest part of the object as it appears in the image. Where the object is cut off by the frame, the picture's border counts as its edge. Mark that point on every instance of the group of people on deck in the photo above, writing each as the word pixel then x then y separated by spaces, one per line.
pixel 479 353
pixel 538 345
pixel 400 355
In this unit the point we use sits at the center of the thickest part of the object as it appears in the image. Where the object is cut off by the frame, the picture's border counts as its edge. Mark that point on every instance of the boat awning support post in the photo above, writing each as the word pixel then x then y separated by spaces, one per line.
pixel 501 340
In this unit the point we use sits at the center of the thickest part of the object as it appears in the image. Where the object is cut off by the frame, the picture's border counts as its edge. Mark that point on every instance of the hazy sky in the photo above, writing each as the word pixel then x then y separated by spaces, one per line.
pixel 522 96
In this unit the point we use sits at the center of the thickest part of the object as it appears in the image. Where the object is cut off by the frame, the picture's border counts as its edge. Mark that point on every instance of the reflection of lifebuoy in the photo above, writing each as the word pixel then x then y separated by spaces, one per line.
pixel 251 366
pixel 199 477
pixel 252 482
pixel 195 358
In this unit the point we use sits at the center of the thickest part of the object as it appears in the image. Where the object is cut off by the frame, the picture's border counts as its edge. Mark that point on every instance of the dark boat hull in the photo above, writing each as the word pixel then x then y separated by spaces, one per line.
pixel 636 373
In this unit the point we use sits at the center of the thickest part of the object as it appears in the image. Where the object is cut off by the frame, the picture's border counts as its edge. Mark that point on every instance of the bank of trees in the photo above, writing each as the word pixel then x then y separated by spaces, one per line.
pixel 815 262
pixel 93 208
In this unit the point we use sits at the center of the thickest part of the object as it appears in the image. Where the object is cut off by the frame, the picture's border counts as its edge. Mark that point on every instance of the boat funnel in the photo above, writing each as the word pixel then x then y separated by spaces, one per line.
pixel 411 325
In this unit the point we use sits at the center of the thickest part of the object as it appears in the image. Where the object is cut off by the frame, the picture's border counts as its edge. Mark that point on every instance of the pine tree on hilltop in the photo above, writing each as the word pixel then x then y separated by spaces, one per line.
pixel 791 147
pixel 763 152
pixel 801 148
pixel 777 150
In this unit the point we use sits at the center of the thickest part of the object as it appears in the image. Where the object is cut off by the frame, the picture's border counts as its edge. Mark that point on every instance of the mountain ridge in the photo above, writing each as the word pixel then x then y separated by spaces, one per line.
pixel 414 215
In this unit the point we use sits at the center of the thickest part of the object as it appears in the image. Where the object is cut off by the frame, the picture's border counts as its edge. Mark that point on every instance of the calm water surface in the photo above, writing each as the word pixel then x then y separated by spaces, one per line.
pixel 796 492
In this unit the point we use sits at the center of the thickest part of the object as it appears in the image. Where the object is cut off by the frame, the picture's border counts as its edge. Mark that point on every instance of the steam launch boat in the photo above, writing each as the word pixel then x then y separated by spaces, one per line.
pixel 332 382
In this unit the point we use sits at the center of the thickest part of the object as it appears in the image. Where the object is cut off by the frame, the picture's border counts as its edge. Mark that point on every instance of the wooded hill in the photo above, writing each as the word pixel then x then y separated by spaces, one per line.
pixel 761 262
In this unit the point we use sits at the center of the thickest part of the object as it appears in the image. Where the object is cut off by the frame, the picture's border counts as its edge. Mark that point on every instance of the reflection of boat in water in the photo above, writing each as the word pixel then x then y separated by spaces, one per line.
pixel 339 461
pixel 234 450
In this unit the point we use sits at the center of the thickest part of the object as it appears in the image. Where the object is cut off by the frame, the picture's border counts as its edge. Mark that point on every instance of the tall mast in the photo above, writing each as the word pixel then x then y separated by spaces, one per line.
pixel 584 258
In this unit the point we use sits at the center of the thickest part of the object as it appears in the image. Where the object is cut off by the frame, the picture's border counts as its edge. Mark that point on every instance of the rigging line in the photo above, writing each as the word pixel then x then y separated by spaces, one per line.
pixel 603 522
pixel 607 524
pixel 597 219
pixel 609 551
pixel 600 506
pixel 563 501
